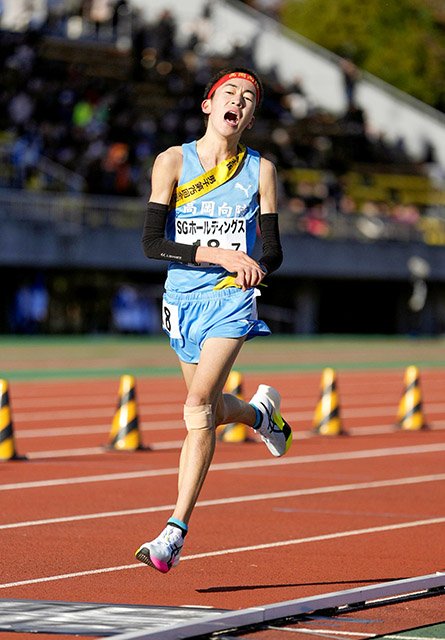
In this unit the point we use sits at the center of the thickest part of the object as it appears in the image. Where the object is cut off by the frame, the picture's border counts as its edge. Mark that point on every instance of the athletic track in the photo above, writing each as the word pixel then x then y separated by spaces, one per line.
pixel 335 513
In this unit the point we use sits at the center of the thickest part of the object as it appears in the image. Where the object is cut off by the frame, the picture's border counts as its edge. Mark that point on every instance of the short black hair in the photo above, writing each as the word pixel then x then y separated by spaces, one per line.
pixel 223 72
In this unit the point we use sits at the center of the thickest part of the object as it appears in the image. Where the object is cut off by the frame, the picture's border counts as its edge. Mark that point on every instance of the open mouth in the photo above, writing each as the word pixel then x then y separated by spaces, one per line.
pixel 232 118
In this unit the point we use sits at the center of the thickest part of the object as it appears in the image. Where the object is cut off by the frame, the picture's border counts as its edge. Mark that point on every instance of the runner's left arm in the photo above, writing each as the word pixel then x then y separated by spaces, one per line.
pixel 272 252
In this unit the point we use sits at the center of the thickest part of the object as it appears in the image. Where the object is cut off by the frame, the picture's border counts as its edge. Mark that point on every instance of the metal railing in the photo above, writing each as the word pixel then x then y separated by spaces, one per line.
pixel 14 172
pixel 79 211
pixel 61 175
pixel 74 214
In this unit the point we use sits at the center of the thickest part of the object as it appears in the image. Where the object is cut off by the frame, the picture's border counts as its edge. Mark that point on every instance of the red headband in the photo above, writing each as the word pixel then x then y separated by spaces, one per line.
pixel 236 74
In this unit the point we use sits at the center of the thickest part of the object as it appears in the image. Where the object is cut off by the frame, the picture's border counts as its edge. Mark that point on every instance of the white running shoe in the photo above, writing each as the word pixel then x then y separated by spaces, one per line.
pixel 163 552
pixel 274 430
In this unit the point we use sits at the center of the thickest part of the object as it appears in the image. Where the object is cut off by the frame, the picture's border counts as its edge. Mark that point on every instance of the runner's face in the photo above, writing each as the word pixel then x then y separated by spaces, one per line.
pixel 232 105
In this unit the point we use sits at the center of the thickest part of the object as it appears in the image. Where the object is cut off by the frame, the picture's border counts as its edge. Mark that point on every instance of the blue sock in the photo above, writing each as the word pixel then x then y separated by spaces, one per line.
pixel 179 524
pixel 258 418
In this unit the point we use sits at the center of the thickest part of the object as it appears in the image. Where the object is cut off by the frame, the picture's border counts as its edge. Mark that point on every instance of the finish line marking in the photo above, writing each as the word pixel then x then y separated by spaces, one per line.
pixel 301 606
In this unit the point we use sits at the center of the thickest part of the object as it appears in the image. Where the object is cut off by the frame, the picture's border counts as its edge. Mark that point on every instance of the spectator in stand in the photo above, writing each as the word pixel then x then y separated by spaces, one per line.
pixel 21 107
pixel 117 171
pixel 295 99
pixel 200 30
pixel 30 308
pixel 271 8
pixel 24 155
pixel 97 12
pixel 407 214
pixel 56 109
pixel 164 36
pixel 351 76
pixel 120 12
pixel 347 205
pixel 82 113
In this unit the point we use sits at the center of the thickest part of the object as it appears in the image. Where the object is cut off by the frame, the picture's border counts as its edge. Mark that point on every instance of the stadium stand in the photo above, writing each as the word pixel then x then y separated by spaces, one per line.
pixel 88 115
pixel 86 106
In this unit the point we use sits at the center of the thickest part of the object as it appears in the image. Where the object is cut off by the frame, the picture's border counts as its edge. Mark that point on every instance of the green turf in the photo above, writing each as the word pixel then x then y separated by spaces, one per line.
pixel 436 631
pixel 54 357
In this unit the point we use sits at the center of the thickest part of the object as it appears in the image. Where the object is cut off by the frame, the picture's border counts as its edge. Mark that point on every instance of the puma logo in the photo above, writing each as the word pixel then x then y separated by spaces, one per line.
pixel 245 189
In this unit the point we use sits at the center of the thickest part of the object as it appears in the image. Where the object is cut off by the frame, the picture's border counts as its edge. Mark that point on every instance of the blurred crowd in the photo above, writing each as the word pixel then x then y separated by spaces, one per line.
pixel 68 123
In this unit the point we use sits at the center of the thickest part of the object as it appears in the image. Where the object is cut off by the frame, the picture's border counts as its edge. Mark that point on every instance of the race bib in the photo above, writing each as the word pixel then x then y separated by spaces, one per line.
pixel 170 320
pixel 224 233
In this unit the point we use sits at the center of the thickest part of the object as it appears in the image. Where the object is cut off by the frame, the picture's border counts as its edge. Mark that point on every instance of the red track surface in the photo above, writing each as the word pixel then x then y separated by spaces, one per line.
pixel 247 545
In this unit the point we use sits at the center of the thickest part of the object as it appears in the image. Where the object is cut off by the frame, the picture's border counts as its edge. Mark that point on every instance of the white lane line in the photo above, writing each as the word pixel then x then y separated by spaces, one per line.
pixel 223 552
pixel 169 425
pixel 49 415
pixel 327 632
pixel 56 431
pixel 91 451
pixel 360 486
pixel 228 466
pixel 107 398
pixel 408 637
pixel 149 409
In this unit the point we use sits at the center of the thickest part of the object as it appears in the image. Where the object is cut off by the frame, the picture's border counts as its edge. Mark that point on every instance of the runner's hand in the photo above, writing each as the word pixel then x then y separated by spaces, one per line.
pixel 248 271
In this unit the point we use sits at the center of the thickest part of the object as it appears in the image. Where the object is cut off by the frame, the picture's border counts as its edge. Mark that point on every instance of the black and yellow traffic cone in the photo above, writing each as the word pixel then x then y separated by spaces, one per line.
pixel 124 435
pixel 235 431
pixel 7 441
pixel 410 413
pixel 327 420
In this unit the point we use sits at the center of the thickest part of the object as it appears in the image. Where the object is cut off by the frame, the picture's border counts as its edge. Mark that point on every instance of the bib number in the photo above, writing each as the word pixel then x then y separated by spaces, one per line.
pixel 224 233
pixel 170 320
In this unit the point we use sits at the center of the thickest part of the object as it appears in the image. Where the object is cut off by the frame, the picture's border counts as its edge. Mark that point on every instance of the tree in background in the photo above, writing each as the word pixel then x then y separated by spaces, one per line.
pixel 401 42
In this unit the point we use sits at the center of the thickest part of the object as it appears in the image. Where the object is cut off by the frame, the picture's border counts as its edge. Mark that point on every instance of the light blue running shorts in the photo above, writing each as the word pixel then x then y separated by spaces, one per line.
pixel 190 318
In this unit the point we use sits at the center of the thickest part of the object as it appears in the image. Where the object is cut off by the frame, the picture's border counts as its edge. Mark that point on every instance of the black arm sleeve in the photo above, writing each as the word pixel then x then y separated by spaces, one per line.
pixel 154 242
pixel 272 255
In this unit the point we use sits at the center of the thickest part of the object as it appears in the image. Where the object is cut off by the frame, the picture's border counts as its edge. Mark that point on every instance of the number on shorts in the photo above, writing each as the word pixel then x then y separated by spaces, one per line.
pixel 170 319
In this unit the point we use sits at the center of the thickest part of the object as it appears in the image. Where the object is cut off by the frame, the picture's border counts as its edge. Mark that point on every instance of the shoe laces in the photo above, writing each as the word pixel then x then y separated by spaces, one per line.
pixel 271 424
pixel 171 535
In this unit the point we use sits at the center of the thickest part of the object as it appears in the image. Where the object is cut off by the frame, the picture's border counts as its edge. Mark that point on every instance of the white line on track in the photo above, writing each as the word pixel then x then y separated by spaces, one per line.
pixel 327 632
pixel 81 399
pixel 360 486
pixel 54 432
pixel 177 444
pixel 49 415
pixel 296 400
pixel 409 637
pixel 148 409
pixel 227 466
pixel 168 425
pixel 223 552
pixel 92 451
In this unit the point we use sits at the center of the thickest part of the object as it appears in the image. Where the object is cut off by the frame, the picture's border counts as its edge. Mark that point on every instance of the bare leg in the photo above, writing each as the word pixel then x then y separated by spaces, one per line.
pixel 205 382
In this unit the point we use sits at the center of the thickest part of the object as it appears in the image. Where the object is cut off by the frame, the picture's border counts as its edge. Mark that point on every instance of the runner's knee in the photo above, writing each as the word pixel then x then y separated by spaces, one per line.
pixel 199 417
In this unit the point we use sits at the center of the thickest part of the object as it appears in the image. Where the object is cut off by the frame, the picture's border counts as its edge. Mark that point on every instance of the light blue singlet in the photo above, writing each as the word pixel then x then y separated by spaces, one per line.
pixel 227 217
pixel 224 217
